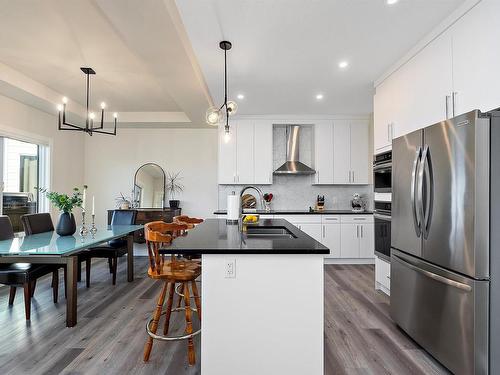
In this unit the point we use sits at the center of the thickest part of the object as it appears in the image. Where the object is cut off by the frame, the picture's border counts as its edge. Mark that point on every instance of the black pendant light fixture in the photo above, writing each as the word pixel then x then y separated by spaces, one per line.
pixel 215 115
pixel 89 120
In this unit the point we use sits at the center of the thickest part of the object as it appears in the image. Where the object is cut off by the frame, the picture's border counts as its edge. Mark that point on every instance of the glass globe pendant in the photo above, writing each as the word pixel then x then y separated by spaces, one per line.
pixel 232 107
pixel 213 116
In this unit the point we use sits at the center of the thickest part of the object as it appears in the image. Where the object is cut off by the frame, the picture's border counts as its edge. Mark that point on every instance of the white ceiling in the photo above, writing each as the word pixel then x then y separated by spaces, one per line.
pixel 139 49
pixel 286 51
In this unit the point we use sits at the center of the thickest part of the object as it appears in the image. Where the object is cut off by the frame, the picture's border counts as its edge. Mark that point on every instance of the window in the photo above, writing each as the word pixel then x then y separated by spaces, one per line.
pixel 21 172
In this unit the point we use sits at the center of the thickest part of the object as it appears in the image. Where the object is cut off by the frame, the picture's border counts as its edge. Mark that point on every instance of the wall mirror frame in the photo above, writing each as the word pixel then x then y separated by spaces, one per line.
pixel 149 186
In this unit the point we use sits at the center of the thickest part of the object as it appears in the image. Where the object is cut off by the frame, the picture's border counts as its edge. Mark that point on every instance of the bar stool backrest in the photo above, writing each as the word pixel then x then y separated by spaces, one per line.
pixel 189 221
pixel 157 235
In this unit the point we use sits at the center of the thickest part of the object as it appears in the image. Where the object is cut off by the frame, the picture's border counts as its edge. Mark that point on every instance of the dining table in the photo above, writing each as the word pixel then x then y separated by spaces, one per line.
pixel 50 248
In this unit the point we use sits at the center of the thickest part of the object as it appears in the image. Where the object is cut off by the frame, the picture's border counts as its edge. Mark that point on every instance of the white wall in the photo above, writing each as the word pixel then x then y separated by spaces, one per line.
pixel 110 164
pixel 67 148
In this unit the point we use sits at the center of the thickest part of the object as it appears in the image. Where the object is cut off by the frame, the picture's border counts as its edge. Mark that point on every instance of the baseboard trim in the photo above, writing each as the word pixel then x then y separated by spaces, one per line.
pixel 349 261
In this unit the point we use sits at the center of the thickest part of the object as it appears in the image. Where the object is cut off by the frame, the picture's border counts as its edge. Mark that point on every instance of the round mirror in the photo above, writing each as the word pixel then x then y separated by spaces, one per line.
pixel 149 186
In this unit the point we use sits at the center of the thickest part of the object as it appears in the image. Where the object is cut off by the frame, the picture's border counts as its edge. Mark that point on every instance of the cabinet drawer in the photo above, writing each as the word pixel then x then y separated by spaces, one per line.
pixel 300 218
pixel 357 219
pixel 330 219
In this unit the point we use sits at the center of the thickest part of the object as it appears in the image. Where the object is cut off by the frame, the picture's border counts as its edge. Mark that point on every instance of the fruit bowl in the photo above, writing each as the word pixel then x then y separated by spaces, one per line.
pixel 251 219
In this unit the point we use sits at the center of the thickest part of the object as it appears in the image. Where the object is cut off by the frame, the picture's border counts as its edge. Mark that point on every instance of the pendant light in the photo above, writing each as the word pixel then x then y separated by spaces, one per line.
pixel 89 127
pixel 215 115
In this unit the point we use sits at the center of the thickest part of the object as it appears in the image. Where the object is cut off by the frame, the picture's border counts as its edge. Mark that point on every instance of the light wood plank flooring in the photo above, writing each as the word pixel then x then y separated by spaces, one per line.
pixel 359 335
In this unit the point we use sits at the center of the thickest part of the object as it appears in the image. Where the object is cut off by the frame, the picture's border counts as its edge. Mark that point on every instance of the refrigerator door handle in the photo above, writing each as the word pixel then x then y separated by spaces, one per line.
pixel 413 184
pixel 433 275
pixel 429 186
pixel 420 191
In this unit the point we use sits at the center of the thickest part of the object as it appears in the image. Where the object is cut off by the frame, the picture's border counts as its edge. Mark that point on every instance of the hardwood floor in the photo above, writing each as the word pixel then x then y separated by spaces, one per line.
pixel 110 335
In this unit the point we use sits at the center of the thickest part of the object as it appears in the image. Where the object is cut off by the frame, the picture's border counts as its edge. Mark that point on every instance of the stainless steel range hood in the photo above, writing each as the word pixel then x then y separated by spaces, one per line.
pixel 292 164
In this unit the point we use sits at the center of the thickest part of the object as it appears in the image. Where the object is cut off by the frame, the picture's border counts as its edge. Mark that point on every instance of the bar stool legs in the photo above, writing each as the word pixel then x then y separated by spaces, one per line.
pixel 156 319
pixel 152 325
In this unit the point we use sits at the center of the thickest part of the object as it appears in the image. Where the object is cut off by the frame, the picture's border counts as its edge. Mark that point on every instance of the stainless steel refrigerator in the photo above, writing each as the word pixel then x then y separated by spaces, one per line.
pixel 445 260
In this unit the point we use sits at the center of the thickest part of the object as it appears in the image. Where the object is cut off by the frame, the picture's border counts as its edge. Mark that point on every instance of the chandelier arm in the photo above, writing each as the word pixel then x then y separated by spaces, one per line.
pixel 72 126
pixel 105 132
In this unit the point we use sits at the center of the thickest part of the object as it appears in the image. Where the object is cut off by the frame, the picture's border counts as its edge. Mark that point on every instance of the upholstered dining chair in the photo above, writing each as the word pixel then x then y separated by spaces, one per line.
pixel 23 274
pixel 113 249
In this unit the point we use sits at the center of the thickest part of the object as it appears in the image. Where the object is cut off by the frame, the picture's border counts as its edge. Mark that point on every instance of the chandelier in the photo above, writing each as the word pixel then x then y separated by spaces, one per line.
pixel 89 127
pixel 214 114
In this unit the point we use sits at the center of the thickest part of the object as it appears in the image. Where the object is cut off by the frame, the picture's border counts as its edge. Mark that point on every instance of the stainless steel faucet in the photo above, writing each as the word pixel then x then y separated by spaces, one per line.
pixel 258 190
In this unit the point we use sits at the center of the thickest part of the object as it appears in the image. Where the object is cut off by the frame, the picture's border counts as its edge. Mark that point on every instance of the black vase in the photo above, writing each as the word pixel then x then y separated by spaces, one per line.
pixel 174 203
pixel 66 226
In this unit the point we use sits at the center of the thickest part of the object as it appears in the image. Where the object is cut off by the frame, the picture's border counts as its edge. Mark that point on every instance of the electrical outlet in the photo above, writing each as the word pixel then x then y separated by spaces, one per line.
pixel 230 268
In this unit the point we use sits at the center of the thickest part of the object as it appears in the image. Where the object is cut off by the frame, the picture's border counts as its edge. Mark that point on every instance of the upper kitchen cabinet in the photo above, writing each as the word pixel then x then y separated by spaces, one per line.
pixel 351 159
pixel 455 73
pixel 247 157
pixel 476 58
pixel 341 152
pixel 323 152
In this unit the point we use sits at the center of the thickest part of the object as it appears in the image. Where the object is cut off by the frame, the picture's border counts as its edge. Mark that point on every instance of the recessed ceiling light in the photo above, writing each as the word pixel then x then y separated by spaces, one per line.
pixel 319 96
pixel 240 96
pixel 392 2
pixel 343 64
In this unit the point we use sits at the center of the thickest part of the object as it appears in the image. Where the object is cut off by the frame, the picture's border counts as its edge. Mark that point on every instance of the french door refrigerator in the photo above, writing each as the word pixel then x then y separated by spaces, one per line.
pixel 445 260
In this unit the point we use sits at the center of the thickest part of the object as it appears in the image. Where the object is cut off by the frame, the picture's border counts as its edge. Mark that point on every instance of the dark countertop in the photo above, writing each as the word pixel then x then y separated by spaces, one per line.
pixel 301 212
pixel 214 236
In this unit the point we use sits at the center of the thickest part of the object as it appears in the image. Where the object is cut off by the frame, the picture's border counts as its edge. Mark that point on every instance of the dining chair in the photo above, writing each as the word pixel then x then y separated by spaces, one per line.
pixel 41 223
pixel 159 234
pixel 23 274
pixel 113 249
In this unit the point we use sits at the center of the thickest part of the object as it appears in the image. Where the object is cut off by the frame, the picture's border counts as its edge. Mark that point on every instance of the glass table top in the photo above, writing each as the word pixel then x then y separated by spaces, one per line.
pixel 50 243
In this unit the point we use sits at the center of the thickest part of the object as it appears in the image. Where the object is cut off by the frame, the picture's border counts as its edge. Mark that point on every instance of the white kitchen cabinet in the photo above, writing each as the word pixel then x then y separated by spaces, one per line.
pixel 323 152
pixel 312 229
pixel 382 275
pixel 263 152
pixel 342 152
pixel 357 236
pixel 455 73
pixel 227 157
pixel 247 158
pixel 366 240
pixel 245 152
pixel 360 155
pixel 350 240
pixel 331 238
pixel 476 58
pixel 350 152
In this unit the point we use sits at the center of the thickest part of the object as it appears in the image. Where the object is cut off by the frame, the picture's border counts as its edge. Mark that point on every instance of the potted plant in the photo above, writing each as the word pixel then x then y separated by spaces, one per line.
pixel 174 187
pixel 66 225
pixel 123 202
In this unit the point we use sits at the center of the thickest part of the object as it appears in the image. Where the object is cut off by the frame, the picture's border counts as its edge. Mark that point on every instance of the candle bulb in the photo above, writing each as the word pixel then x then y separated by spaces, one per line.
pixel 93 205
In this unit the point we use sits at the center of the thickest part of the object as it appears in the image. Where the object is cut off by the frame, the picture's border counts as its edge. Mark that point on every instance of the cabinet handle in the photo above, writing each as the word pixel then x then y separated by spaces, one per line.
pixel 349 176
pixel 454 101
pixel 357 231
pixel 271 177
pixel 323 231
pixel 317 176
pixel 447 106
pixel 353 176
pixel 361 232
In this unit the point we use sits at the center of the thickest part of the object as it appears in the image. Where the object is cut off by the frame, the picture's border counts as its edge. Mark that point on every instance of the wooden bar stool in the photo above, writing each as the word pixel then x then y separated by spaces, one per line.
pixel 184 272
pixel 190 222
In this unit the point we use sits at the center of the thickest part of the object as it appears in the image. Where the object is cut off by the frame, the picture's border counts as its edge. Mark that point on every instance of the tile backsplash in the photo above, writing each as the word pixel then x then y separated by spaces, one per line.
pixel 297 191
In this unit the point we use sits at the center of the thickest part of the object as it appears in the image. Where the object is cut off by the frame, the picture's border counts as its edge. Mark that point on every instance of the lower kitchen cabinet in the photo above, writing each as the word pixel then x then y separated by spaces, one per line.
pixel 350 240
pixel 382 275
pixel 314 230
pixel 331 239
pixel 357 236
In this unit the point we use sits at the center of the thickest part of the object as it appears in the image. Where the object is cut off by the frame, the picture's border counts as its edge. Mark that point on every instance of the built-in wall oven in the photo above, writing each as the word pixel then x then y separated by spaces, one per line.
pixel 382 172
pixel 382 218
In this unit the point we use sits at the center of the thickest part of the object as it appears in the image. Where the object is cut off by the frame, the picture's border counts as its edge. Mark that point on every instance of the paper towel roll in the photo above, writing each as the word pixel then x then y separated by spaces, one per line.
pixel 233 207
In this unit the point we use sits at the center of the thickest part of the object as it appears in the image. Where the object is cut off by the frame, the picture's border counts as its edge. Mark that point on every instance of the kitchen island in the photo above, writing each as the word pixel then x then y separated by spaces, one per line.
pixel 262 297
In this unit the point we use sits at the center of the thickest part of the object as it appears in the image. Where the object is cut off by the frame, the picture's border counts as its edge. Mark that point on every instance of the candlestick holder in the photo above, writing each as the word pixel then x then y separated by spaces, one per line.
pixel 83 229
pixel 93 228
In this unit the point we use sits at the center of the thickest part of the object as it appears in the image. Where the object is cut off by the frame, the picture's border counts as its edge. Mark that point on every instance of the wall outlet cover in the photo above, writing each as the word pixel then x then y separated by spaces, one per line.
pixel 230 268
